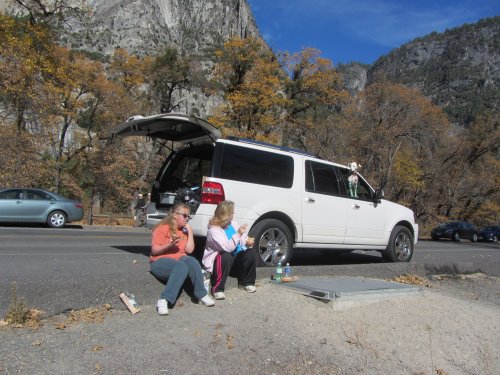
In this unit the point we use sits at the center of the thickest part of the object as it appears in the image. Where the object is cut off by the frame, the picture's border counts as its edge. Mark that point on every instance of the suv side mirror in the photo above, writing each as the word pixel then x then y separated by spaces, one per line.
pixel 379 194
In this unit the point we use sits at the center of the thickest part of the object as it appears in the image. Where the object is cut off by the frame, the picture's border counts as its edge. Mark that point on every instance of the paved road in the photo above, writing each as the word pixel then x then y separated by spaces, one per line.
pixel 71 268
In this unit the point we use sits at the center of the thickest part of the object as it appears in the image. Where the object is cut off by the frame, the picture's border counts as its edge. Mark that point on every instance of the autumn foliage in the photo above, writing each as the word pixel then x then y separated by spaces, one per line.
pixel 57 107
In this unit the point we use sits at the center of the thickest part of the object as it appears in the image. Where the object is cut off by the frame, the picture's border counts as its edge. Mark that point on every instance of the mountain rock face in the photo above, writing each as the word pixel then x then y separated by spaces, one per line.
pixel 355 76
pixel 458 69
pixel 147 26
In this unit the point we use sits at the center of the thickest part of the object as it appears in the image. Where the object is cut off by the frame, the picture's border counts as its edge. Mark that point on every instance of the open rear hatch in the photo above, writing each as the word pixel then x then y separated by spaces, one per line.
pixel 181 176
pixel 173 127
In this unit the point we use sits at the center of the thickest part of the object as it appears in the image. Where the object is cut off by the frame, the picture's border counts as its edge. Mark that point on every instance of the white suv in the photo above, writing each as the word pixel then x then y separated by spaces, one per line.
pixel 289 198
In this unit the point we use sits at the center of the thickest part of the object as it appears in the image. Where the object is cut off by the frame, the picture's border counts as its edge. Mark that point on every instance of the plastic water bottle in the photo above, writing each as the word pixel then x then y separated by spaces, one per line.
pixel 132 299
pixel 279 272
pixel 288 270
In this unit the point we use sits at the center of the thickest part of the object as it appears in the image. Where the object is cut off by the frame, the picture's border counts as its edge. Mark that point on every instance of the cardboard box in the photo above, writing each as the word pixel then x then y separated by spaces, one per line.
pixel 128 303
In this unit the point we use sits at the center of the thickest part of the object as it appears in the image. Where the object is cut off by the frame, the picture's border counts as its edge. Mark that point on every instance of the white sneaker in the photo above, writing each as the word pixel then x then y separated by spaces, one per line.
pixel 207 301
pixel 162 307
pixel 248 288
pixel 219 295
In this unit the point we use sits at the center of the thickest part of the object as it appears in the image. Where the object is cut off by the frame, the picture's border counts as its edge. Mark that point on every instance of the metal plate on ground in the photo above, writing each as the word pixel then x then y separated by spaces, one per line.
pixel 348 290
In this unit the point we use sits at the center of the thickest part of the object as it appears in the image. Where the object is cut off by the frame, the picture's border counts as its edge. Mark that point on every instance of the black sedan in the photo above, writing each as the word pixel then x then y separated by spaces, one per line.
pixel 490 233
pixel 22 205
pixel 456 231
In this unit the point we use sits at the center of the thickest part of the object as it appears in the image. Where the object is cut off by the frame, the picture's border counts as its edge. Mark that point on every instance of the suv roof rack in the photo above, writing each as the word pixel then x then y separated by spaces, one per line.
pixel 269 145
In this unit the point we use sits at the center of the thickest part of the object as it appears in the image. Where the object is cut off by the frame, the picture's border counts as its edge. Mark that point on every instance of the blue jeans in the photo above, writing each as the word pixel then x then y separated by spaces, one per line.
pixel 176 272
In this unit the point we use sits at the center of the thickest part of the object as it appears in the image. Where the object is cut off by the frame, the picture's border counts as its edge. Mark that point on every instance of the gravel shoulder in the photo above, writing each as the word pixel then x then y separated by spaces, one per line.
pixel 450 327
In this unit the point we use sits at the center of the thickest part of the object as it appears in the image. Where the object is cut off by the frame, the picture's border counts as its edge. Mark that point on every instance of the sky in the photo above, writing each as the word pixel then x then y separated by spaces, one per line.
pixel 360 30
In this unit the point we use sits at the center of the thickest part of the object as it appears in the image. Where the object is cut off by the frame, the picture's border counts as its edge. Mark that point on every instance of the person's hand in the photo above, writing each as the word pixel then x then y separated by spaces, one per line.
pixel 249 242
pixel 187 228
pixel 242 229
pixel 175 240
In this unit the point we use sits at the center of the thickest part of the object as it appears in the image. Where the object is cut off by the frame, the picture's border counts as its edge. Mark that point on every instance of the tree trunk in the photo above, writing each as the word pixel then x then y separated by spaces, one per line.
pixel 59 155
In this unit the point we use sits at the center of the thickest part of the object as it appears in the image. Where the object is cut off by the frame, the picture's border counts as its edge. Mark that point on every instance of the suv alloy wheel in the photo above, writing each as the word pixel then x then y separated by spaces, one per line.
pixel 400 247
pixel 273 242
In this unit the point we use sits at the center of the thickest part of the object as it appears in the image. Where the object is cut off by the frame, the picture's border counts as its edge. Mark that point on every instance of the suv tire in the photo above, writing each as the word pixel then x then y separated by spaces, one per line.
pixel 400 247
pixel 273 242
pixel 456 237
pixel 474 237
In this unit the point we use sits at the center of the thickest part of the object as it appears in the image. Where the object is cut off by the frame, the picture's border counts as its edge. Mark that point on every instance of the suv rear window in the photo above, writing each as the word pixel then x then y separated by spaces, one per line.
pixel 186 168
pixel 255 166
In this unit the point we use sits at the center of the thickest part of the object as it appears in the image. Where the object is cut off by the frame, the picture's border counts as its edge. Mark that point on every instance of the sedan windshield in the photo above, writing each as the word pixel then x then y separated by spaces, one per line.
pixel 491 227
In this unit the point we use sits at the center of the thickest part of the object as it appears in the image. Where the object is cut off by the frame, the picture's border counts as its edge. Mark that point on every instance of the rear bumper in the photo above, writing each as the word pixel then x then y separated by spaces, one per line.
pixel 488 238
pixel 75 216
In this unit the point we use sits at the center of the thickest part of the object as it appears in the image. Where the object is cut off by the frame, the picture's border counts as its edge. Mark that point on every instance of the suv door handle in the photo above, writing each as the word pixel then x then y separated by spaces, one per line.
pixel 309 199
pixel 356 205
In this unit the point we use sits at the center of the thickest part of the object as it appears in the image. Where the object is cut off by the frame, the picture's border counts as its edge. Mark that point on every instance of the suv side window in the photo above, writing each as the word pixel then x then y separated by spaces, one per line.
pixel 364 192
pixel 321 178
pixel 256 166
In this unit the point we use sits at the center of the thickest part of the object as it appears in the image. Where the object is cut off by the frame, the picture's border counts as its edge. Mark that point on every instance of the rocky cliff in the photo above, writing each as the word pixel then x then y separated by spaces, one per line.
pixel 147 26
pixel 195 27
pixel 458 69
pixel 355 76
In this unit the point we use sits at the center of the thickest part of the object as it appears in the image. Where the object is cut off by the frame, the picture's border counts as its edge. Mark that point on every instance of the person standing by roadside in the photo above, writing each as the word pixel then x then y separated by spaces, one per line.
pixel 172 242
pixel 228 252
pixel 133 202
pixel 140 210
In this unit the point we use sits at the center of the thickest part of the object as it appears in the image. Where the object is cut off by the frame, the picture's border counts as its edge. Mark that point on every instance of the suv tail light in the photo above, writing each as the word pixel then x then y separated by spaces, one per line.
pixel 212 193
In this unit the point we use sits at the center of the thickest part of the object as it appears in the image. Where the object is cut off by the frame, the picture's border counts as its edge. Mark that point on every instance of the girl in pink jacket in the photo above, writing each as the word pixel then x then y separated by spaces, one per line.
pixel 228 252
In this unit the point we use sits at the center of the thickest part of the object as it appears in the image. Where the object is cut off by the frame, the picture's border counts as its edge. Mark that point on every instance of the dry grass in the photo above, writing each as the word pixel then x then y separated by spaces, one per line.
pixel 412 280
pixel 19 315
pixel 89 315
pixel 108 220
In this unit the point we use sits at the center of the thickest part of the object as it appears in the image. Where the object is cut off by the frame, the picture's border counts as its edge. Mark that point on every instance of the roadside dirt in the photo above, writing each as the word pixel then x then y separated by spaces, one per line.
pixel 450 328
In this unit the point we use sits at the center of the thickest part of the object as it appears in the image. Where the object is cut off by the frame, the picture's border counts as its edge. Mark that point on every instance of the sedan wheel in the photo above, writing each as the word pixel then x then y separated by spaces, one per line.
pixel 56 219
pixel 474 237
pixel 456 237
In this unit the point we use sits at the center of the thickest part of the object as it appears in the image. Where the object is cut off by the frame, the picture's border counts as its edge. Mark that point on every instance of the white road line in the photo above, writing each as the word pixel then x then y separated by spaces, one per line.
pixel 65 236
pixel 72 254
pixel 453 250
